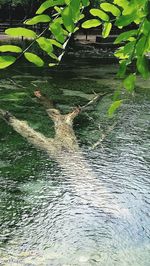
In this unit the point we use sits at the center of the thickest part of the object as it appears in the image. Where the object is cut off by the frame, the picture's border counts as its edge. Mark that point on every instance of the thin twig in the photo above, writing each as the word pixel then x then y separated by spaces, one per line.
pixel 24 51
pixel 103 136
pixel 15 83
pixel 95 99
pixel 64 45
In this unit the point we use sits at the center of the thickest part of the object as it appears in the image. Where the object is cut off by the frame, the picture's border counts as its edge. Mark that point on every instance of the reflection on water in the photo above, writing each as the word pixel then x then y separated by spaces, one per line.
pixel 49 217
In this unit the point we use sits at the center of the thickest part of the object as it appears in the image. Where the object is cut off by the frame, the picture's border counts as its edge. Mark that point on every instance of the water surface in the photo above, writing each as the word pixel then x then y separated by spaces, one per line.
pixel 43 218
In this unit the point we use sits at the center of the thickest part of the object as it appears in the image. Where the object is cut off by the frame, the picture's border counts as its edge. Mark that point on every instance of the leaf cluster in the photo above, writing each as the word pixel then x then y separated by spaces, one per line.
pixel 62 18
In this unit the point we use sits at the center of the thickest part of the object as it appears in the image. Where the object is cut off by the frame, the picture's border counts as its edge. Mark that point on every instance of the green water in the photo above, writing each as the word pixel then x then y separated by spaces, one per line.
pixel 43 220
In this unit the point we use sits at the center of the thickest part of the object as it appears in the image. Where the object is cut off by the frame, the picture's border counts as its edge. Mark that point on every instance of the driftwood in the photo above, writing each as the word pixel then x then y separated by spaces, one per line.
pixel 65 150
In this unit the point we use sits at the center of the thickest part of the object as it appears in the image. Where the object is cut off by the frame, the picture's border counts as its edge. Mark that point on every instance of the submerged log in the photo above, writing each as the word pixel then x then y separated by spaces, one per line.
pixel 64 139
pixel 65 150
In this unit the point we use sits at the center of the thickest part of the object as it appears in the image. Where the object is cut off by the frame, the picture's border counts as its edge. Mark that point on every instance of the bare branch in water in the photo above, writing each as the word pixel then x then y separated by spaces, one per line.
pixel 95 99
pixel 64 133
pixel 103 136
pixel 44 100
pixel 16 84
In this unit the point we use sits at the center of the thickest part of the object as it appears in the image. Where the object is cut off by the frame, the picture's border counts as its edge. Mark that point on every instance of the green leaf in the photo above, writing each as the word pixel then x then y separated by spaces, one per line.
pixel 75 10
pixel 129 82
pixel 10 48
pixel 67 2
pixel 91 23
pixel 58 20
pixel 125 36
pixel 57 31
pixel 20 32
pixel 49 3
pixel 120 53
pixel 114 106
pixel 131 39
pixel 81 16
pixel 65 32
pixel 106 29
pixel 99 13
pixel 126 20
pixel 121 3
pixel 45 44
pixel 146 27
pixel 148 44
pixel 76 29
pixel 85 2
pixel 130 8
pixel 117 93
pixel 143 67
pixel 141 45
pixel 54 42
pixel 122 68
pixel 129 48
pixel 33 58
pixel 6 60
pixel 52 55
pixel 38 19
pixel 111 8
pixel 67 19
pixel 58 9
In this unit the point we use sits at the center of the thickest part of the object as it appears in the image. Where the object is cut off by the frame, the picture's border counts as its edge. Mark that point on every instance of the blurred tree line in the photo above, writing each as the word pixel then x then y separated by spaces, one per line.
pixel 22 9
pixel 17 9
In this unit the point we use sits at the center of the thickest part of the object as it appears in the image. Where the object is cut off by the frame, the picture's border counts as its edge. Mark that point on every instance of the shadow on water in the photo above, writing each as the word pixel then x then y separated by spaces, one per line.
pixel 44 221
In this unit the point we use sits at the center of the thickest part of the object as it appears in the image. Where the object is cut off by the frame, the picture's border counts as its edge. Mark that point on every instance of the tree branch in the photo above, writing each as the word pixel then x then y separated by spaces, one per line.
pixel 96 98
pixel 103 137
pixel 64 134
pixel 34 137
pixel 44 100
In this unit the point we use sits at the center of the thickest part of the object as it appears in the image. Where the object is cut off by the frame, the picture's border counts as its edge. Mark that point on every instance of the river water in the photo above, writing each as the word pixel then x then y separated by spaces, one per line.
pixel 43 218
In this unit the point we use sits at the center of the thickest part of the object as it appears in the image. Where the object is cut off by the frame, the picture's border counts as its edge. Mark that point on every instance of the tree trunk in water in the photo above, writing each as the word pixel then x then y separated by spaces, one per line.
pixel 65 150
